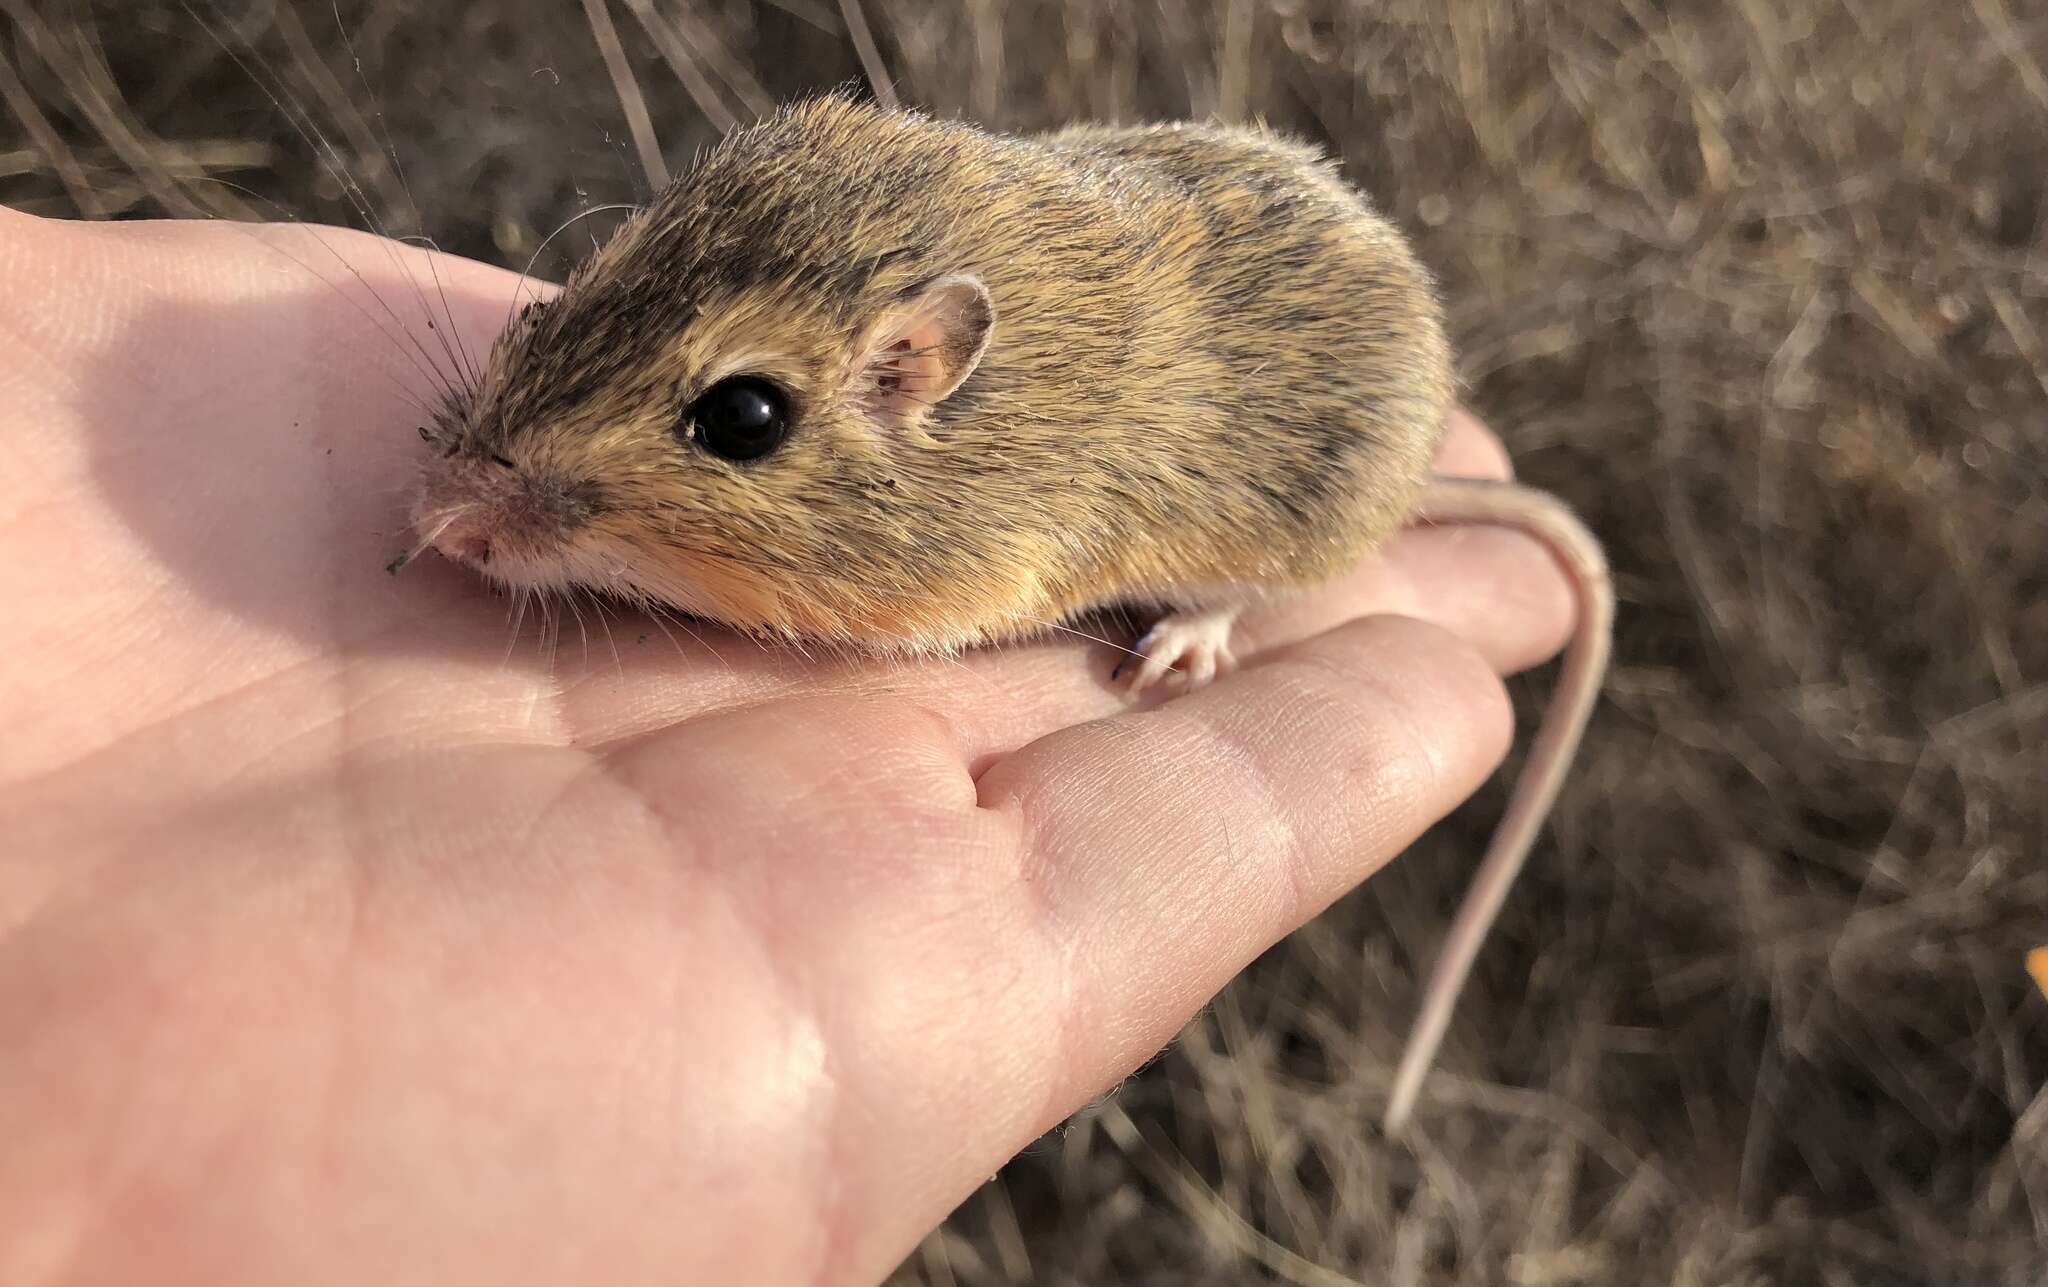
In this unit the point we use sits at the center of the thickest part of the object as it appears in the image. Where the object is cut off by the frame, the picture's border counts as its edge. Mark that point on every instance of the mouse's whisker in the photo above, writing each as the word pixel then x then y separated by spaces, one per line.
pixel 658 613
pixel 461 355
pixel 550 628
pixel 583 631
pixel 604 623
pixel 451 337
pixel 661 611
pixel 526 273
pixel 252 63
pixel 1065 629
pixel 426 542
pixel 403 341
pixel 472 372
pixel 520 598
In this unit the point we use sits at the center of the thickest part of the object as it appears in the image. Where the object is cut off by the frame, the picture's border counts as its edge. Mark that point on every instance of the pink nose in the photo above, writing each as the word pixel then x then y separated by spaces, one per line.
pixel 465 543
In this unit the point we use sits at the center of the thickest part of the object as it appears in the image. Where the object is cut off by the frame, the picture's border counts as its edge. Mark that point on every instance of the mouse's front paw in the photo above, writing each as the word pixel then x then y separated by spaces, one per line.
pixel 1195 645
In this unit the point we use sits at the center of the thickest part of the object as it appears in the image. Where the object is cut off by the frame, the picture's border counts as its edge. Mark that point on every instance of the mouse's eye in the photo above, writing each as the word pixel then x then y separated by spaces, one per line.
pixel 743 418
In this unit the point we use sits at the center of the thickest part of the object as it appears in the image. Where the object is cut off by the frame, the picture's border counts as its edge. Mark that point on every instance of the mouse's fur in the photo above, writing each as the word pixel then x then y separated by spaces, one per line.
pixel 1208 364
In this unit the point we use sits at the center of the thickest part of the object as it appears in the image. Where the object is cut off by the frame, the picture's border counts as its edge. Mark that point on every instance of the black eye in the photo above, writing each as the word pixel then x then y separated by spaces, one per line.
pixel 743 418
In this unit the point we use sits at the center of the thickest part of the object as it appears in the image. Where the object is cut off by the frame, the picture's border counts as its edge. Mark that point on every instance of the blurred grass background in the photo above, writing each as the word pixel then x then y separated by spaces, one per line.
pixel 1760 286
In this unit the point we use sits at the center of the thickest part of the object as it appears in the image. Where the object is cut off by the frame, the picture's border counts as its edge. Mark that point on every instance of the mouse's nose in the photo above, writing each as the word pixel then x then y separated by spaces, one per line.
pixel 465 542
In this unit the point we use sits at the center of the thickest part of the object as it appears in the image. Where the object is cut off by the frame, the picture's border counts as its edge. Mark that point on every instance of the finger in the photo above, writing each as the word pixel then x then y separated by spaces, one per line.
pixel 1497 589
pixel 1471 450
pixel 1175 844
pixel 1490 585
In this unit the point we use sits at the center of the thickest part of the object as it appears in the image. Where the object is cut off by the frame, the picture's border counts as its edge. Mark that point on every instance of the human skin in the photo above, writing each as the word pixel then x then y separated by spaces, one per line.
pixel 346 937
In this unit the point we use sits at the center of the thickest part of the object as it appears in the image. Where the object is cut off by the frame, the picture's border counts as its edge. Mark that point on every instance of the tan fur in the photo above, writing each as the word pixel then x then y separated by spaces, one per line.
pixel 1211 365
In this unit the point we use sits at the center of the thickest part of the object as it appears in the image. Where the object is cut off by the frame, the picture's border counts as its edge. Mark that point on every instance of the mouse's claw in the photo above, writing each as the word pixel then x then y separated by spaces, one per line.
pixel 1196 644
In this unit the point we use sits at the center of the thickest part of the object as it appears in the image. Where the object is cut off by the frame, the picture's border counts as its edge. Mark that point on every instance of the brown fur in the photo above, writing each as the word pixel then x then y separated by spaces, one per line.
pixel 1142 425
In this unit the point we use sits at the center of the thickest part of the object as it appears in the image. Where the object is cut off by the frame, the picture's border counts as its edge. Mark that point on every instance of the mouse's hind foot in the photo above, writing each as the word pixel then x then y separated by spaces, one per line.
pixel 1195 645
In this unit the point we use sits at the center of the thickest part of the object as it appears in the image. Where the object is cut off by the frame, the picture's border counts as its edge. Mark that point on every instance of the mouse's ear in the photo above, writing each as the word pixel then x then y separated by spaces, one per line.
pixel 917 352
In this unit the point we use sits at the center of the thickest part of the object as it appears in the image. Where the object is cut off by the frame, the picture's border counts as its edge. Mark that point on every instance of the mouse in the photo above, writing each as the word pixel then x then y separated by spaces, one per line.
pixel 868 378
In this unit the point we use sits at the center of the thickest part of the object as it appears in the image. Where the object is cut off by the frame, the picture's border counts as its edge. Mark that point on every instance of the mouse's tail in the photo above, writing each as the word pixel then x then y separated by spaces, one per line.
pixel 1544 517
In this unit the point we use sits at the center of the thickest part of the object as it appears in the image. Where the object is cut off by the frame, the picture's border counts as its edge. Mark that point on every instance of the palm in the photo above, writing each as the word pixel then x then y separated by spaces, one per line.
pixel 341 927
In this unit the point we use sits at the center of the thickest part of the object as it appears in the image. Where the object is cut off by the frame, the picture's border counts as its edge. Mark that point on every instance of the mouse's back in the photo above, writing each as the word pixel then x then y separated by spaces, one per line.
pixel 1320 335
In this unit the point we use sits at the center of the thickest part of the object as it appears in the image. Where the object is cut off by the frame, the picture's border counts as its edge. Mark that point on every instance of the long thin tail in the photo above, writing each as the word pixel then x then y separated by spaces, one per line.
pixel 1544 517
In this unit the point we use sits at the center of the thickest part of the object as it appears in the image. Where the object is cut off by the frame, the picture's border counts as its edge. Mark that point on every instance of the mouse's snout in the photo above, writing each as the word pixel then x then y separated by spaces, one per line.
pixel 465 540
pixel 490 514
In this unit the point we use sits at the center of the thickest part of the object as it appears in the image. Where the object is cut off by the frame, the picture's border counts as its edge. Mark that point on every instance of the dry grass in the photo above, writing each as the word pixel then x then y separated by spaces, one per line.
pixel 1761 286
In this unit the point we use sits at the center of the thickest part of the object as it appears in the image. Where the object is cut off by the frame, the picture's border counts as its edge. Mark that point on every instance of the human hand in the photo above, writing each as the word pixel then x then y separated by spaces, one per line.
pixel 338 943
